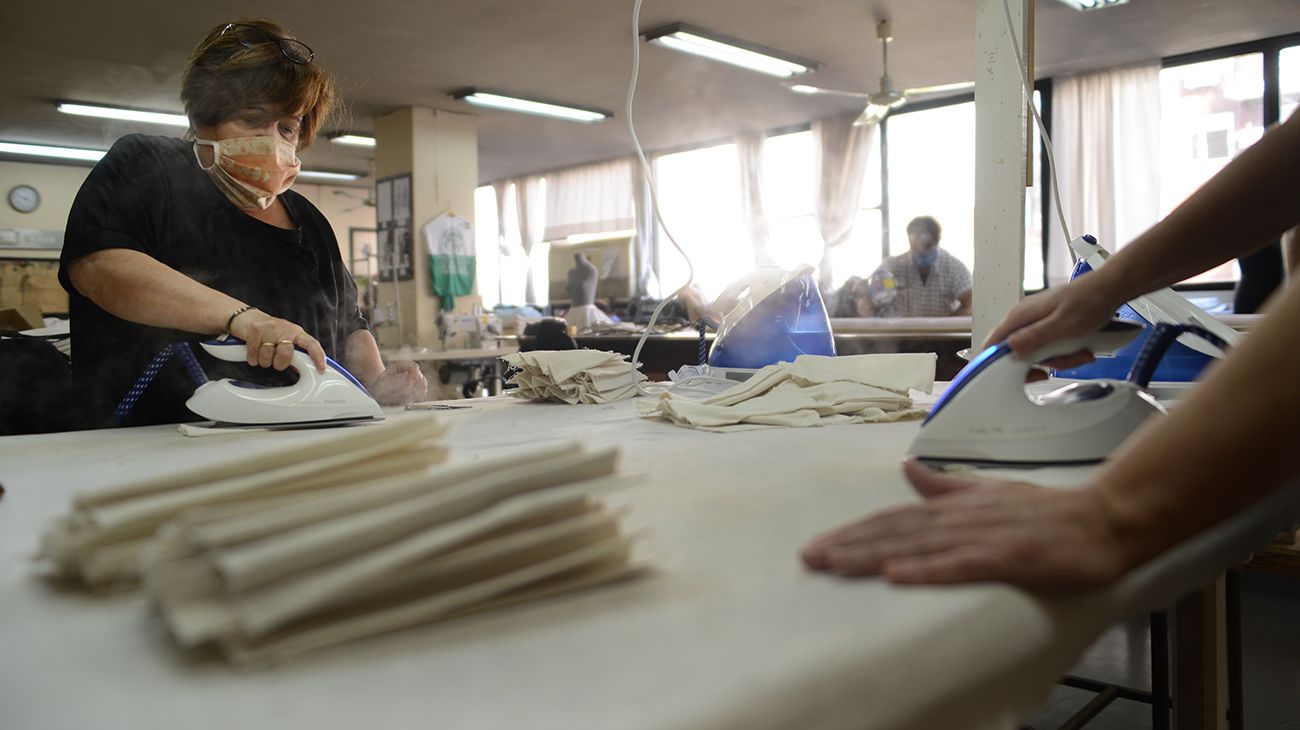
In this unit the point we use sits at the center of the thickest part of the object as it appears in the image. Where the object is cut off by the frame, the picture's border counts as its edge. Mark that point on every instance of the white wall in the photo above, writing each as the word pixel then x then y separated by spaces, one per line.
pixel 57 184
pixel 342 207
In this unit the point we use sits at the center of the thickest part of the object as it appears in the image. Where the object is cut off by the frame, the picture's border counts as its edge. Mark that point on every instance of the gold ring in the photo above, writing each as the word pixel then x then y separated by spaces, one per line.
pixel 286 342
pixel 268 344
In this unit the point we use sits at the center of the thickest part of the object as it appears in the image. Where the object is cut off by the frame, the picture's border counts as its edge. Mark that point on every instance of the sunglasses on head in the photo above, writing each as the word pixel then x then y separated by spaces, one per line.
pixel 251 35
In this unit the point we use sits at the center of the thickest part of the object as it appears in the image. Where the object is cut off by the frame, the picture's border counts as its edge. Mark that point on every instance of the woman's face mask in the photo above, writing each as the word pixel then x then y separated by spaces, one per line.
pixel 251 171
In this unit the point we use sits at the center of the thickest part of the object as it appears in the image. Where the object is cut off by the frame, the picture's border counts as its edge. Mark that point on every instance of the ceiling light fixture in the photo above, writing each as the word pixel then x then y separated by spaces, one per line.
pixel 1092 4
pixel 328 175
pixel 690 39
pixel 510 102
pixel 115 112
pixel 354 140
pixel 43 150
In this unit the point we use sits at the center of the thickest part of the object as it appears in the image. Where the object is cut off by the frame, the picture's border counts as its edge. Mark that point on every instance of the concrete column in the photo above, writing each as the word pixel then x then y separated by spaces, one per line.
pixel 1000 162
pixel 439 149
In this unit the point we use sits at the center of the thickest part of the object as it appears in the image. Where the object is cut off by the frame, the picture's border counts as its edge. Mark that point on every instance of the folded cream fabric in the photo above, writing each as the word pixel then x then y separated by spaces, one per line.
pixel 274 579
pixel 814 390
pixel 573 376
pixel 98 544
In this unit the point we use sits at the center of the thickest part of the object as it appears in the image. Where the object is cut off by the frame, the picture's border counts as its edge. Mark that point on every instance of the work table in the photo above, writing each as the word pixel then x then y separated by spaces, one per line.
pixel 727 629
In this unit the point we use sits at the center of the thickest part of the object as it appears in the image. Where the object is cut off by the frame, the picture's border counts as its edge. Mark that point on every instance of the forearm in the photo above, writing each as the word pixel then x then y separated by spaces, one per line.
pixel 1252 201
pixel 361 357
pixel 138 288
pixel 1230 443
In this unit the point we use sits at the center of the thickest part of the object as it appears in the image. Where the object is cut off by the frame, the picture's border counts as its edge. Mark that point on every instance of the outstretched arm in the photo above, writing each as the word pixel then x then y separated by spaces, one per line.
pixel 1250 202
pixel 137 287
pixel 1228 445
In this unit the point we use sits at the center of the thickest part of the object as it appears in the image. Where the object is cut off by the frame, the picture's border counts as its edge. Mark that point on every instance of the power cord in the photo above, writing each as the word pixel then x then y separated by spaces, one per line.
pixel 1042 128
pixel 650 185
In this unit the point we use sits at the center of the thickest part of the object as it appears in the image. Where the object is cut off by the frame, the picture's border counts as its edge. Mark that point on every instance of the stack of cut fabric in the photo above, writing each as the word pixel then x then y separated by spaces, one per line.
pixel 264 582
pixel 573 376
pixel 814 390
pixel 354 535
pixel 98 544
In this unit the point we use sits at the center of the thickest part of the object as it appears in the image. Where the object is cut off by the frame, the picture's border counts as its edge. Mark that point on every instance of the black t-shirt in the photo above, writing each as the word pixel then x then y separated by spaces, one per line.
pixel 148 194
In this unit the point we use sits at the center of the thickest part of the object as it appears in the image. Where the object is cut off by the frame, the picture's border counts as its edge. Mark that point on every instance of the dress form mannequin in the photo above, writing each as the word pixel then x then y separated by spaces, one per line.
pixel 581 286
pixel 582 281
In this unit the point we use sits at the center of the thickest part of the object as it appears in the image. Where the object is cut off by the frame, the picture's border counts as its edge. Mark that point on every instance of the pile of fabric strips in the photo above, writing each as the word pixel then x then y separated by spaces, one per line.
pixel 573 376
pixel 814 390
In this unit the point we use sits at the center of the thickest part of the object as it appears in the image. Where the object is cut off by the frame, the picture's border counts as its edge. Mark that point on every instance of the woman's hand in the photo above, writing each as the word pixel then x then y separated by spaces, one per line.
pixel 1055 540
pixel 399 384
pixel 271 340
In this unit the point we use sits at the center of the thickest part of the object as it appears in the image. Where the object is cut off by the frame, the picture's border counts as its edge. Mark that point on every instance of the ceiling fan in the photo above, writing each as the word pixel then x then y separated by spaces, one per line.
pixel 886 98
pixel 367 200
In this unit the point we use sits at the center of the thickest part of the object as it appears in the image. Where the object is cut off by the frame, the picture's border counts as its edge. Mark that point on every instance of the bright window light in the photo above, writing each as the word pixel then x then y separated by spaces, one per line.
pixel 689 39
pixel 132 115
pixel 354 140
pixel 497 100
pixel 40 150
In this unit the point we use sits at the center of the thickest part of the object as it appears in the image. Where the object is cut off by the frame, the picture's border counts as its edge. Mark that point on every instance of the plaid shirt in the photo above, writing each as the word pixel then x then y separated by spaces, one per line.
pixel 936 296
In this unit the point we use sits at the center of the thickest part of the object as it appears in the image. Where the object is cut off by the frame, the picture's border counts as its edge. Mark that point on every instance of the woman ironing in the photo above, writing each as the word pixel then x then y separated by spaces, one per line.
pixel 183 239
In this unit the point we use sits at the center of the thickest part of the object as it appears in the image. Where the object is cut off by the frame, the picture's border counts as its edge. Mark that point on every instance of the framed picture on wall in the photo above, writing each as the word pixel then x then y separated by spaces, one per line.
pixel 396 240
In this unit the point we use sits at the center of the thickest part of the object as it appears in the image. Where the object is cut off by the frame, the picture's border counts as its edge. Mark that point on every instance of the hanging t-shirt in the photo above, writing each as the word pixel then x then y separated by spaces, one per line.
pixel 148 194
pixel 450 240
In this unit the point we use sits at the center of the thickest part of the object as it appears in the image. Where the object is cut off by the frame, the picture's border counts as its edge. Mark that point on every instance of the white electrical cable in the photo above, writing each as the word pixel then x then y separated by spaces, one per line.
pixel 650 185
pixel 1042 128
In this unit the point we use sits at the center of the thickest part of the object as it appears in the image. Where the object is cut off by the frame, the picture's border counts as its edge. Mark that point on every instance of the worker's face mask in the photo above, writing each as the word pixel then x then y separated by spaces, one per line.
pixel 925 259
pixel 251 171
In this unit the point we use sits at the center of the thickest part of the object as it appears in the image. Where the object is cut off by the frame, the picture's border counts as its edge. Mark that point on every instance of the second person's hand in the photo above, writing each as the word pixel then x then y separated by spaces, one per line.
pixel 1078 308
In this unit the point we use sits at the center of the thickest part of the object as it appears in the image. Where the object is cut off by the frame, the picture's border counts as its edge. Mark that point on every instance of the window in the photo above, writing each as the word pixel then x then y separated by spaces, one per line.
pixel 1209 112
pixel 932 172
pixel 487 246
pixel 1289 80
pixel 789 162
pixel 699 197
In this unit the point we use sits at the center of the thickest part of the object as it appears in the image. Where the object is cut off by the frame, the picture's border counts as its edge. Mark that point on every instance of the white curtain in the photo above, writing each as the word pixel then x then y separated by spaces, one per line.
pixel 501 188
pixel 750 148
pixel 647 233
pixel 842 151
pixel 531 207
pixel 589 199
pixel 1106 134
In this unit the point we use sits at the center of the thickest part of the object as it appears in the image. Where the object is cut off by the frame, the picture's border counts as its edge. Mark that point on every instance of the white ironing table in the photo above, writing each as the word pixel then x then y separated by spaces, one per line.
pixel 728 631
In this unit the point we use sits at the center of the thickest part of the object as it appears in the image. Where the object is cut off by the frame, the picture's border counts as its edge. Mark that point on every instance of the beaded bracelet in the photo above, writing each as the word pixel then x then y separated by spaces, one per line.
pixel 236 313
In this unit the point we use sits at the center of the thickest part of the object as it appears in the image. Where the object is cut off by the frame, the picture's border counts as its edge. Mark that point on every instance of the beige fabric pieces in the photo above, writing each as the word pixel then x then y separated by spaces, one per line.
pixel 356 532
pixel 814 390
pixel 98 544
pixel 267 582
pixel 573 376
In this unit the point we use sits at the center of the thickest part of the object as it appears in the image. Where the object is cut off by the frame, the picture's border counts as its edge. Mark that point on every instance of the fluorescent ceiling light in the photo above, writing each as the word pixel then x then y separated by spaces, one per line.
pixel 325 175
pixel 133 115
pixel 354 140
pixel 594 237
pixel 752 56
pixel 41 150
pixel 1092 4
pixel 498 100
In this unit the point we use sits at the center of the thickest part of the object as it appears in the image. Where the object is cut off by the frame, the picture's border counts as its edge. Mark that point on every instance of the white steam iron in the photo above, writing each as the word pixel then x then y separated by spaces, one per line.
pixel 986 416
pixel 318 398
